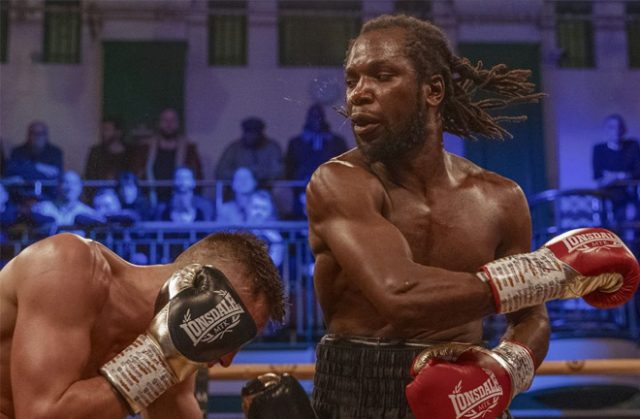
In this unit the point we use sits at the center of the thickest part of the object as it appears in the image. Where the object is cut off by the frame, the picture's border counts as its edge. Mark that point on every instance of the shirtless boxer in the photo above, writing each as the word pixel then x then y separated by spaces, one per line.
pixel 71 309
pixel 400 227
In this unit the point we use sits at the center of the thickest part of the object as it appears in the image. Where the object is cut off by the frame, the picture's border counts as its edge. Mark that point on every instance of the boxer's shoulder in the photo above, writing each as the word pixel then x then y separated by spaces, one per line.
pixel 58 250
pixel 499 186
pixel 58 262
pixel 340 190
pixel 351 161
pixel 348 172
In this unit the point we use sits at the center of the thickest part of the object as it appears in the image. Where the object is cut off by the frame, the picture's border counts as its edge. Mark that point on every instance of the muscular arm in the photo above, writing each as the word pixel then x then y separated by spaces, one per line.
pixel 529 326
pixel 177 402
pixel 57 304
pixel 345 214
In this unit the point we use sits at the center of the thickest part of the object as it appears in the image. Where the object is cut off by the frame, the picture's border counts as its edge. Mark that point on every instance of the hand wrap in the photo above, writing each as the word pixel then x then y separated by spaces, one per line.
pixel 199 318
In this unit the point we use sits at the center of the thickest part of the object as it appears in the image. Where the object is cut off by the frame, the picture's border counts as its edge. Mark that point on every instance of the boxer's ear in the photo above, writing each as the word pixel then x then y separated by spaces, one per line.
pixel 433 90
pixel 226 359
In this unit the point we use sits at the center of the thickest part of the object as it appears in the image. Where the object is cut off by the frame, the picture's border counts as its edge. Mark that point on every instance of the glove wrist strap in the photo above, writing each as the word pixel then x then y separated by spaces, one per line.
pixel 140 373
pixel 525 280
pixel 517 359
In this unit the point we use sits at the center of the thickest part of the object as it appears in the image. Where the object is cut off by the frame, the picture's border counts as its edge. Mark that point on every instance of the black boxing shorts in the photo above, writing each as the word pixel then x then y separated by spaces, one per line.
pixel 364 378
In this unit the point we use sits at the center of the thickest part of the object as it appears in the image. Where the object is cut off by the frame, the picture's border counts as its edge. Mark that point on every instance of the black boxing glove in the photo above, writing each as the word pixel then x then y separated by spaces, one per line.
pixel 272 396
pixel 199 318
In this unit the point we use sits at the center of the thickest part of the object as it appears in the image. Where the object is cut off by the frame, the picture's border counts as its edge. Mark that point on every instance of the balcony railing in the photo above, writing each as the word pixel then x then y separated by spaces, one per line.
pixel 553 212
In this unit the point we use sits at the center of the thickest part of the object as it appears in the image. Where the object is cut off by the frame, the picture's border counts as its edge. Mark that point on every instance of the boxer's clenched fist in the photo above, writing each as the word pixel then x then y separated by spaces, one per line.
pixel 199 318
pixel 471 382
pixel 272 396
pixel 591 262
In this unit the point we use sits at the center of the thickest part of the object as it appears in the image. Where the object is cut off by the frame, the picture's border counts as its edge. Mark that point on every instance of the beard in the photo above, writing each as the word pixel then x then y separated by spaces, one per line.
pixel 396 142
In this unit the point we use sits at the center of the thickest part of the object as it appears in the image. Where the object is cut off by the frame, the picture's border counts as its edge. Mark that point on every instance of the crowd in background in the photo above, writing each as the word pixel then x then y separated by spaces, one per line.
pixel 38 192
pixel 158 178
pixel 616 162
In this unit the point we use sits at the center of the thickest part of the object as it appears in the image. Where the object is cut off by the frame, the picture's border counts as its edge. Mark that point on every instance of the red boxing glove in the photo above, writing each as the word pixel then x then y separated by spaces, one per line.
pixel 479 384
pixel 590 262
pixel 596 251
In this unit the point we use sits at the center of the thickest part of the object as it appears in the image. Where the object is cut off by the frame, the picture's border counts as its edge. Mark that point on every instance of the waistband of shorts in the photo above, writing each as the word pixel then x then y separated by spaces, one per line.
pixel 378 341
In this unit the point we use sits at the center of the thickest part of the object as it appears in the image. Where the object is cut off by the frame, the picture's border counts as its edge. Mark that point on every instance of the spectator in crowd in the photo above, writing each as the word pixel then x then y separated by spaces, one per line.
pixel 67 209
pixel 132 201
pixel 110 156
pixel 184 206
pixel 36 159
pixel 8 212
pixel 8 218
pixel 106 202
pixel 260 210
pixel 313 146
pixel 244 183
pixel 3 160
pixel 616 160
pixel 157 157
pixel 253 150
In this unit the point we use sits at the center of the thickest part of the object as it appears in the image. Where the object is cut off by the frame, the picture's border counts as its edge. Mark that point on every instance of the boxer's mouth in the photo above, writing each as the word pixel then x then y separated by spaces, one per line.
pixel 363 123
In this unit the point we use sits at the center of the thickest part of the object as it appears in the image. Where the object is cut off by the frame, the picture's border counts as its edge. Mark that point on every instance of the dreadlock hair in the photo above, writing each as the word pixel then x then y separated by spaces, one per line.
pixel 428 49
pixel 249 251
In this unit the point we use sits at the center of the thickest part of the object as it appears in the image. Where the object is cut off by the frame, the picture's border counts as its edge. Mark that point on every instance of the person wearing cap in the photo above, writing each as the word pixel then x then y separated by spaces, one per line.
pixel 253 150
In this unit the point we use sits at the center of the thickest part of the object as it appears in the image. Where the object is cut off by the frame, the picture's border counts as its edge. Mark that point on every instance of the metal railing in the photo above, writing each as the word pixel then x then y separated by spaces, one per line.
pixel 557 211
pixel 161 242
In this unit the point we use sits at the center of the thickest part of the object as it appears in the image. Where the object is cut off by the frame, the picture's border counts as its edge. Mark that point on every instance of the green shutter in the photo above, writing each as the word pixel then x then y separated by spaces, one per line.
pixel 227 27
pixel 316 33
pixel 62 31
pixel 633 33
pixel 4 31
pixel 574 34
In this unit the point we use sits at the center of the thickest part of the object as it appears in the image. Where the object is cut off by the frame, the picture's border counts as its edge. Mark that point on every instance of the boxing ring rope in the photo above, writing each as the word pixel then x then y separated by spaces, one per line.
pixel 622 366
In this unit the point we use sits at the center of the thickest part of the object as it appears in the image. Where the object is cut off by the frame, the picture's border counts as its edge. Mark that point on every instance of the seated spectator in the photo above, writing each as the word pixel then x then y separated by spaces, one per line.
pixel 305 152
pixel 313 146
pixel 36 159
pixel 3 159
pixel 243 185
pixel 184 206
pixel 615 161
pixel 110 156
pixel 158 157
pixel 67 209
pixel 8 212
pixel 107 203
pixel 261 210
pixel 8 218
pixel 253 150
pixel 131 200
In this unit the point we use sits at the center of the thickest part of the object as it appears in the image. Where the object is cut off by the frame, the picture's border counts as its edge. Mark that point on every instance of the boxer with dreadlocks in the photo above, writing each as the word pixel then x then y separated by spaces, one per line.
pixel 414 245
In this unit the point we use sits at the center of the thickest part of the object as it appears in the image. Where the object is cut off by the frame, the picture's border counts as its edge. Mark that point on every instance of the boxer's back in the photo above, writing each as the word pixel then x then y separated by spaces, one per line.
pixel 32 264
pixel 70 260
pixel 453 226
pixel 8 313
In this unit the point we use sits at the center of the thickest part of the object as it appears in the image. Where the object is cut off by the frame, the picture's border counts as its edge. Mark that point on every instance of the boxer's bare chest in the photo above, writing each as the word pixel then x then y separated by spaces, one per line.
pixel 455 229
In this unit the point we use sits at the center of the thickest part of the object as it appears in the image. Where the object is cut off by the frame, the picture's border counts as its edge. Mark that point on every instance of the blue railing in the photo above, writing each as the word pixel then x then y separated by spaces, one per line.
pixel 553 212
